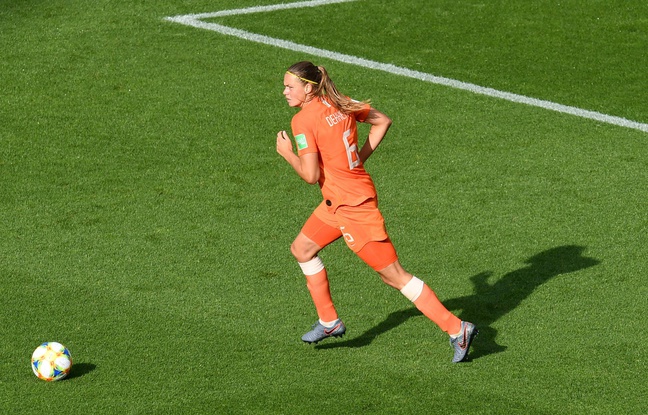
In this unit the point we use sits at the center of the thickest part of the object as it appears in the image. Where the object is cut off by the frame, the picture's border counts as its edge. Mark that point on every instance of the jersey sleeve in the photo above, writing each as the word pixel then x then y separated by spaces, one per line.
pixel 362 115
pixel 304 134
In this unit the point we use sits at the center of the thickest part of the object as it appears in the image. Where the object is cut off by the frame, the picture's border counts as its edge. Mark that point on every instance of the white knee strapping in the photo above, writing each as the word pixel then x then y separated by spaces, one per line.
pixel 413 289
pixel 312 267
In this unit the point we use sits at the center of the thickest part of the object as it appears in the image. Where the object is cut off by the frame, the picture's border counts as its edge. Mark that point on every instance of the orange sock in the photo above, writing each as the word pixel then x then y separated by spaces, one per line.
pixel 318 285
pixel 428 304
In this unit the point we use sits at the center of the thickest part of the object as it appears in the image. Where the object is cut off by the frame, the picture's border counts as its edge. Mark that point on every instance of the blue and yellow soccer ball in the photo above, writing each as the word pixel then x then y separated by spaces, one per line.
pixel 51 361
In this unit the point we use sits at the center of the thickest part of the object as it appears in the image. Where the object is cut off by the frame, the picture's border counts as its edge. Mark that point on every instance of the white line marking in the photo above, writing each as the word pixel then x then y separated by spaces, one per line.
pixel 196 20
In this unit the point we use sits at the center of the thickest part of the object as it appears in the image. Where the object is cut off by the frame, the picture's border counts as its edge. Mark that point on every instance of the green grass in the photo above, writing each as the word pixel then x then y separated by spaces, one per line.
pixel 146 217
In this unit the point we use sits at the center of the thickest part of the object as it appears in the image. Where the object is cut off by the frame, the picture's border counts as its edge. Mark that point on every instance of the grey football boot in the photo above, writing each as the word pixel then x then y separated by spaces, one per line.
pixel 319 332
pixel 461 343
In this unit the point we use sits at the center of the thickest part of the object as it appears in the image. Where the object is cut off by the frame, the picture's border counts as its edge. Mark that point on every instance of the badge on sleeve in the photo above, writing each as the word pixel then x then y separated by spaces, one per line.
pixel 300 139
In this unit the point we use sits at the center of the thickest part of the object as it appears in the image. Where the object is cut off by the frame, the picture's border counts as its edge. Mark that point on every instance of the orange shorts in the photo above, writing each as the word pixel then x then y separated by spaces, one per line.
pixel 363 229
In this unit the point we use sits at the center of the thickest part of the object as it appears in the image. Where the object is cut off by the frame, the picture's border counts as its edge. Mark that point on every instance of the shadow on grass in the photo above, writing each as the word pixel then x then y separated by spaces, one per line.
pixel 491 301
pixel 393 320
pixel 80 369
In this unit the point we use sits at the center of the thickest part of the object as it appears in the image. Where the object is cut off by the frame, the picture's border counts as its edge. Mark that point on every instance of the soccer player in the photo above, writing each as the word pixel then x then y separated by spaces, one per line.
pixel 328 153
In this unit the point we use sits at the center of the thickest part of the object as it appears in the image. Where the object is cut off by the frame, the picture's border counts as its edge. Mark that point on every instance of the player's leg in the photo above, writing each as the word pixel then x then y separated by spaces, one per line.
pixel 422 296
pixel 377 253
pixel 305 251
pixel 315 235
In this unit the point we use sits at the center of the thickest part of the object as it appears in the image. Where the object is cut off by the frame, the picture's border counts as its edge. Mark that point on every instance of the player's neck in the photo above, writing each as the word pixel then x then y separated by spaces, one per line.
pixel 309 100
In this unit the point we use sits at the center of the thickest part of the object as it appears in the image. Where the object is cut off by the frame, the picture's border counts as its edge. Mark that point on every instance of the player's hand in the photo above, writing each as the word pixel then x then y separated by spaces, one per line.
pixel 284 143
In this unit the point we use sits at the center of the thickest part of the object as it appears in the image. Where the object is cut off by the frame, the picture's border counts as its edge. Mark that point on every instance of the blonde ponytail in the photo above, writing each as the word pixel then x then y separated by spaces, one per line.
pixel 324 87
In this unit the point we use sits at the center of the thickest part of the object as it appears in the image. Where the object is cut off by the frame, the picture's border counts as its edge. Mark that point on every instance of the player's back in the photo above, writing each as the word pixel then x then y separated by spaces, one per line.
pixel 343 177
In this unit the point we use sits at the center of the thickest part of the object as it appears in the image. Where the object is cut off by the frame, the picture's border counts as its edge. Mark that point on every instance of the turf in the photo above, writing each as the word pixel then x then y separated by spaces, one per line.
pixel 146 217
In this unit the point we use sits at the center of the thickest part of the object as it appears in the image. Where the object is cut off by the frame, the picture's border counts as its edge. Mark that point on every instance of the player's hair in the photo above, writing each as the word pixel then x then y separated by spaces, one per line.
pixel 323 86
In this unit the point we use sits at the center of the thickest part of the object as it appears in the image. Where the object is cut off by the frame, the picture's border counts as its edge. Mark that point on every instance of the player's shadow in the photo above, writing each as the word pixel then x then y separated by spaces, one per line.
pixel 393 320
pixel 491 301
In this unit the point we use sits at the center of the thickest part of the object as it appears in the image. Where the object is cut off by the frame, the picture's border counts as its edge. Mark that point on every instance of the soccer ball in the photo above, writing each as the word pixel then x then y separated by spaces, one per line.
pixel 51 361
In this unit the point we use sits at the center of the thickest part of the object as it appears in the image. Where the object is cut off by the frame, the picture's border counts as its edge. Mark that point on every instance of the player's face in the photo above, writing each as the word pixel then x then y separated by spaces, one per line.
pixel 294 91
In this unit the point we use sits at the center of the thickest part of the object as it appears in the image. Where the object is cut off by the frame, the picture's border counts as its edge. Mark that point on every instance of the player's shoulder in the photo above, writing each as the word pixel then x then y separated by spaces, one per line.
pixel 312 113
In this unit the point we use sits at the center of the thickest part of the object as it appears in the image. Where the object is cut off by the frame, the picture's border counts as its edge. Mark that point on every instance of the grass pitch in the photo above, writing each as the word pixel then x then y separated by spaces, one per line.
pixel 146 217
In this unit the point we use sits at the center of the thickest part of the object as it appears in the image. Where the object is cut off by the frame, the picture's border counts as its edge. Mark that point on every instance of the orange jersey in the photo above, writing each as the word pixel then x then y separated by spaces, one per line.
pixel 321 128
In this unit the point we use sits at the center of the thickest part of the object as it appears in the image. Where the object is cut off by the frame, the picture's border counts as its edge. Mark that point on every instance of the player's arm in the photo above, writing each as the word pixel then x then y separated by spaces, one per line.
pixel 380 124
pixel 306 166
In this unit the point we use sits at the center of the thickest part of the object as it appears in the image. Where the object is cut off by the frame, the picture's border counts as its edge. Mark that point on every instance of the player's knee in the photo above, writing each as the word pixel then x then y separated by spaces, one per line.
pixel 294 250
pixel 301 252
pixel 391 281
pixel 395 276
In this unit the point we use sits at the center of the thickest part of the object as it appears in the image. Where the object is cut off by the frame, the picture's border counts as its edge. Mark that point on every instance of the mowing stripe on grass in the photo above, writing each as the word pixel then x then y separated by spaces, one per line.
pixel 196 20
